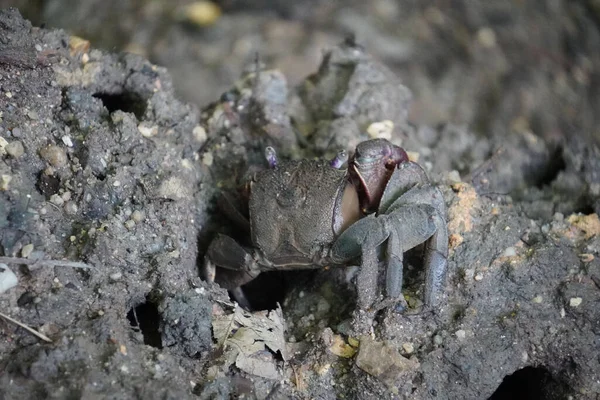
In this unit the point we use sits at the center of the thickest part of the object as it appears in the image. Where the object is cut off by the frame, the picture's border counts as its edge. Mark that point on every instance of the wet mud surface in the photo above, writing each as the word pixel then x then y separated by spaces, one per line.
pixel 102 163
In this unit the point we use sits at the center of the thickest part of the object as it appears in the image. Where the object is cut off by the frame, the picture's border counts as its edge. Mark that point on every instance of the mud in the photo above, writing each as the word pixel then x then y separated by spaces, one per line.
pixel 114 171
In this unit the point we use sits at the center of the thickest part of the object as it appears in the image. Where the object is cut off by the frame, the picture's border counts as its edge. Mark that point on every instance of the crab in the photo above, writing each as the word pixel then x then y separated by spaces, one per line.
pixel 314 213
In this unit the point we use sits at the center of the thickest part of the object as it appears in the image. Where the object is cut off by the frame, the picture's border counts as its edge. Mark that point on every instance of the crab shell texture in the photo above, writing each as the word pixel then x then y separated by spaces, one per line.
pixel 297 210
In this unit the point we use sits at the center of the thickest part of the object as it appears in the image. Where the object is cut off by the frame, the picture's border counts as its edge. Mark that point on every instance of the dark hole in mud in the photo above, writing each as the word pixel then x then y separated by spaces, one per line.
pixel 48 184
pixel 531 383
pixel 146 318
pixel 270 288
pixel 556 163
pixel 126 102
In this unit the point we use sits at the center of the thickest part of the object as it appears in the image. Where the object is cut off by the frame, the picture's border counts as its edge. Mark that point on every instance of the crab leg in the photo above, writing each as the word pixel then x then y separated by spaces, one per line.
pixel 238 266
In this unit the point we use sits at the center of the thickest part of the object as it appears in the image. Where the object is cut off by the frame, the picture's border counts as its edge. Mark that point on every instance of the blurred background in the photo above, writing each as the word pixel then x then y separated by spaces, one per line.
pixel 495 67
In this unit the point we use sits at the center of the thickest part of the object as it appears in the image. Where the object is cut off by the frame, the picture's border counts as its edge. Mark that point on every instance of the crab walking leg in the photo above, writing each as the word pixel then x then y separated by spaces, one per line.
pixel 395 265
pixel 237 265
pixel 436 247
pixel 407 176
pixel 362 240
pixel 436 262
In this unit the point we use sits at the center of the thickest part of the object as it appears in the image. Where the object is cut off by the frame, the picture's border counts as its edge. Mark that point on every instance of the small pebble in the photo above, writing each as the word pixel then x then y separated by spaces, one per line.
pixel 16 132
pixel 129 224
pixel 575 301
pixel 148 131
pixel 460 334
pixel 8 279
pixel 56 200
pixel 54 155
pixel 26 250
pixel 5 182
pixel 67 141
pixel 71 208
pixel 454 176
pixel 478 277
pixel 200 134
pixel 510 252
pixel 438 340
pixel 408 348
pixel 486 37
pixel 207 159
pixel 66 196
pixel 538 299
pixel 115 276
pixel 15 149
pixel 137 216
pixel 381 129
pixel 32 115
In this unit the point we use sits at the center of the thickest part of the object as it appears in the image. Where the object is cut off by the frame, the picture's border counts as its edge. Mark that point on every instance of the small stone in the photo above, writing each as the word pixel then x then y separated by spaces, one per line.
pixel 116 183
pixel 202 13
pixel 71 208
pixel 438 340
pixel 586 257
pixel 559 217
pixel 486 37
pixel 8 94
pixel 66 196
pixel 340 348
pixel 32 114
pixel 478 277
pixel 575 301
pixel 382 361
pixel 38 47
pixel 408 348
pixel 461 334
pixel 115 276
pixel 67 141
pixel 538 299
pixel 510 252
pixel 54 155
pixel 16 132
pixel 26 250
pixel 137 216
pixel 56 200
pixel 15 149
pixel 381 130
pixel 5 182
pixel 454 176
pixel 207 159
pixel 85 58
pixel 8 279
pixel 200 134
pixel 148 131
pixel 129 224
pixel 413 156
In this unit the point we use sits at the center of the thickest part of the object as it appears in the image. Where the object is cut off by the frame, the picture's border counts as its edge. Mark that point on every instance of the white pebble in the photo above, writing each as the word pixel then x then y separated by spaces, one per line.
pixel 575 301
pixel 510 252
pixel 7 278
pixel 460 334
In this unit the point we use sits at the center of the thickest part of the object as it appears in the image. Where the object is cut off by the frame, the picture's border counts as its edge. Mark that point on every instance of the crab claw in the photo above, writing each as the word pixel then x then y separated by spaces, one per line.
pixel 371 167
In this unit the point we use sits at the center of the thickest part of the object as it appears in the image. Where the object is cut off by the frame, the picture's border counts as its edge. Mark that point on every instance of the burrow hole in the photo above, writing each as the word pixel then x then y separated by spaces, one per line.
pixel 531 383
pixel 146 318
pixel 126 101
pixel 270 288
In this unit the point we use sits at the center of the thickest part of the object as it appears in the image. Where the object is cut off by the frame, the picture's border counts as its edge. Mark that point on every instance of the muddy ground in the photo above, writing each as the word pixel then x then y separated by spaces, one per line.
pixel 103 164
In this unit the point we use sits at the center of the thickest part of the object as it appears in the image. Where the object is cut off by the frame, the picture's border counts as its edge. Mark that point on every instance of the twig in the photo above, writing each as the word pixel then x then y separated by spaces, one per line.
pixel 45 263
pixel 31 330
